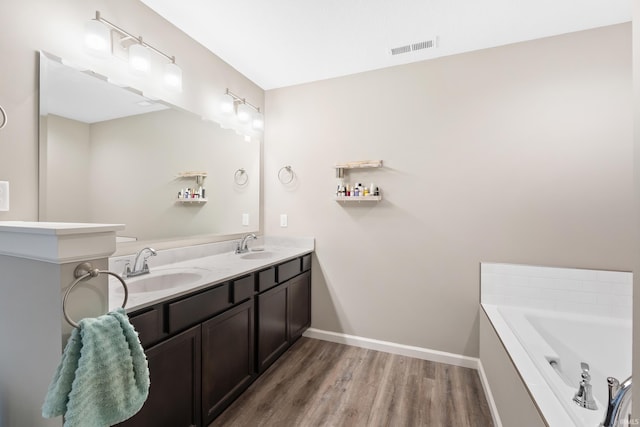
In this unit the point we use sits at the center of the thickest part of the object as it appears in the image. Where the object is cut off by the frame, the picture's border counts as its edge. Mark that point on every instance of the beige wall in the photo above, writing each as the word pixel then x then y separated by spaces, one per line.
pixel 57 27
pixel 520 154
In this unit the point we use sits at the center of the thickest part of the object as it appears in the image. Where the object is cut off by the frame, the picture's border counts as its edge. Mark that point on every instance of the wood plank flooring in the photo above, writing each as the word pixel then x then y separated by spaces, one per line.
pixel 319 383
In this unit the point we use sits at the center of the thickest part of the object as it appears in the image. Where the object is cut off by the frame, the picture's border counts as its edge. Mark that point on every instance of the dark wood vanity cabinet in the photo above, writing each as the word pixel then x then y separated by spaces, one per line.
pixel 206 348
pixel 227 358
pixel 273 337
pixel 175 378
pixel 299 305
pixel 284 311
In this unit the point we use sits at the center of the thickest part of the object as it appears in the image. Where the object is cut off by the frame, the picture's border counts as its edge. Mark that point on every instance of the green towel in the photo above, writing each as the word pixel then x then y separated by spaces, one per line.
pixel 103 377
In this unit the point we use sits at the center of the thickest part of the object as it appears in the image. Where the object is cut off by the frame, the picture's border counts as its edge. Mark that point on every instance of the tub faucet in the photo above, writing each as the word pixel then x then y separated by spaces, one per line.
pixel 584 395
pixel 242 245
pixel 140 267
pixel 619 405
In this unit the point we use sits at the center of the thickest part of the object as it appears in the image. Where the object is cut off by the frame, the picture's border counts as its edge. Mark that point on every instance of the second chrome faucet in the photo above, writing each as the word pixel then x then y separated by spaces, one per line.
pixel 140 265
pixel 242 245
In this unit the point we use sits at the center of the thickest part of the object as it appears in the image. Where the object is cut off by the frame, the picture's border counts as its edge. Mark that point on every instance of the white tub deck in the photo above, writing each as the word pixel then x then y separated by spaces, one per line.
pixel 568 316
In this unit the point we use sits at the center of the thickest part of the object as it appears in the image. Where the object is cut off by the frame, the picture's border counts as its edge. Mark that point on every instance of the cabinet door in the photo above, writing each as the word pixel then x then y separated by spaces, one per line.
pixel 227 358
pixel 299 302
pixel 272 325
pixel 174 394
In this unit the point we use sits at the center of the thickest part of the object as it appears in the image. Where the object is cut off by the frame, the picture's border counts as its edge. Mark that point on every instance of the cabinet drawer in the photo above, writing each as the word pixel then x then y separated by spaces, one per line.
pixel 289 269
pixel 194 309
pixel 148 324
pixel 266 279
pixel 306 262
pixel 242 288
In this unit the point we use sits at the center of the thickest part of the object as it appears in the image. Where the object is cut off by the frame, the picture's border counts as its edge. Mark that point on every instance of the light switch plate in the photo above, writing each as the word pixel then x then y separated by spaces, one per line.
pixel 283 220
pixel 4 196
pixel 245 219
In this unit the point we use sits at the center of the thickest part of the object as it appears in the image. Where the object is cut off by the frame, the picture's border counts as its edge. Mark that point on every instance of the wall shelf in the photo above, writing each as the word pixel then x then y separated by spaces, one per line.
pixel 192 200
pixel 360 164
pixel 357 198
pixel 199 176
pixel 341 196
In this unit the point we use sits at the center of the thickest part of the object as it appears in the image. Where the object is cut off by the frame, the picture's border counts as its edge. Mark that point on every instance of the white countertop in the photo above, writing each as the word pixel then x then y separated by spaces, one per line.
pixel 216 263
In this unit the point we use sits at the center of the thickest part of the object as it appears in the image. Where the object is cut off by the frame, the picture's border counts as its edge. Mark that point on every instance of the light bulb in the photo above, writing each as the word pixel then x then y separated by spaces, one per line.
pixel 139 58
pixel 173 76
pixel 244 113
pixel 97 38
pixel 226 104
pixel 258 121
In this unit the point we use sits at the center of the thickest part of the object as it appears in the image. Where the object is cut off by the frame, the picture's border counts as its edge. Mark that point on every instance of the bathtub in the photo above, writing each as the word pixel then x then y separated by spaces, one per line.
pixel 547 347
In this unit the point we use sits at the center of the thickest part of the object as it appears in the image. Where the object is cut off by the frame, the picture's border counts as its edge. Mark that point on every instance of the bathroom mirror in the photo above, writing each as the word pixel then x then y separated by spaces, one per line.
pixel 108 154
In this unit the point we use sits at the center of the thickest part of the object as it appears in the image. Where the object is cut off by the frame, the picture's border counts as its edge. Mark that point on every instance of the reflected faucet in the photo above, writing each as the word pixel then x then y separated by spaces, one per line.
pixel 140 267
pixel 584 395
pixel 242 245
pixel 619 405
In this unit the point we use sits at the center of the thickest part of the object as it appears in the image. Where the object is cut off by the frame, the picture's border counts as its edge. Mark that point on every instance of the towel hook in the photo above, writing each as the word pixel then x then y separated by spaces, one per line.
pixel 283 178
pixel 83 272
pixel 5 119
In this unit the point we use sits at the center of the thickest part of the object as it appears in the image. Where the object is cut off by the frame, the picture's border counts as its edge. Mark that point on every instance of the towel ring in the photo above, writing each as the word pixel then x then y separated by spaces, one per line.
pixel 289 172
pixel 5 119
pixel 237 177
pixel 83 272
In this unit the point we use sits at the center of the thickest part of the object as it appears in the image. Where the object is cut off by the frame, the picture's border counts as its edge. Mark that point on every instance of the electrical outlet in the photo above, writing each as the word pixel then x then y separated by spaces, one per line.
pixel 245 219
pixel 283 220
pixel 4 196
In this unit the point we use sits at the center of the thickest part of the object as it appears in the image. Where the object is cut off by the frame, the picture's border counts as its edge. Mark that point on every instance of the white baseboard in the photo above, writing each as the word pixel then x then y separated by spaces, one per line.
pixel 394 348
pixel 411 351
pixel 487 391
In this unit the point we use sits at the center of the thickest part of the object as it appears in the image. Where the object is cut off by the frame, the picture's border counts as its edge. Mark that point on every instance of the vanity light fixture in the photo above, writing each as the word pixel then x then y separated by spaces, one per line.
pixel 97 37
pixel 227 105
pixel 258 121
pixel 98 41
pixel 245 111
pixel 139 57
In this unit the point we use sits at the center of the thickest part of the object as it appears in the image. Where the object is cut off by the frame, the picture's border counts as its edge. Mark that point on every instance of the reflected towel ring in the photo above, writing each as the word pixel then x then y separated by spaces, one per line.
pixel 237 177
pixel 83 272
pixel 5 119
pixel 289 172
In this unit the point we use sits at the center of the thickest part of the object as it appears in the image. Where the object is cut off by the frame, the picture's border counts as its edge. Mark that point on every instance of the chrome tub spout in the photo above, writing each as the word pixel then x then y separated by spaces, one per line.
pixel 619 405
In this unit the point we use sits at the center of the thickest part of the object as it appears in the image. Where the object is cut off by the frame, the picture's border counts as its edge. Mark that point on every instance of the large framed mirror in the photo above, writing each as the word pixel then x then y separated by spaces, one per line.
pixel 108 154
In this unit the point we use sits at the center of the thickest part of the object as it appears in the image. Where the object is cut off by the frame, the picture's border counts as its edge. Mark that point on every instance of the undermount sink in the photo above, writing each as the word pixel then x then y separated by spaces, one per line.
pixel 162 279
pixel 257 255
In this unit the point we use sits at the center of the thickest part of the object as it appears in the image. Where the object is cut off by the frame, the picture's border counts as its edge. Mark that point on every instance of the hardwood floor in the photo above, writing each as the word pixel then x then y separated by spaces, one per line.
pixel 319 383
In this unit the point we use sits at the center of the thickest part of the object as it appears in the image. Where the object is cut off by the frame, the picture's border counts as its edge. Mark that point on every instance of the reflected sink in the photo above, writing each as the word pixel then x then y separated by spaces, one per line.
pixel 163 279
pixel 257 255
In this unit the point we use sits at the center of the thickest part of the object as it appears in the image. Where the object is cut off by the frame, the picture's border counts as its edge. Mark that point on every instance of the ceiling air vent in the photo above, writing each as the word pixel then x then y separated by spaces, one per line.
pixel 425 44
pixel 401 49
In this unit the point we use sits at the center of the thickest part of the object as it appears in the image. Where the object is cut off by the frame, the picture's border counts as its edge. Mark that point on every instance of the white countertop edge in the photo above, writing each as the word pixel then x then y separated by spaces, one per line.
pixel 57 228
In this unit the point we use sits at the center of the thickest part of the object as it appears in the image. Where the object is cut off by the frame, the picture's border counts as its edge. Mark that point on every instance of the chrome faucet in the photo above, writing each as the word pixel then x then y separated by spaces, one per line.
pixel 584 395
pixel 140 267
pixel 619 405
pixel 242 245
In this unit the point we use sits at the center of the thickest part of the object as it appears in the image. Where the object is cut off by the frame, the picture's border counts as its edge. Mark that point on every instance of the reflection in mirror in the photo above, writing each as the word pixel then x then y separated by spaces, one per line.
pixel 110 155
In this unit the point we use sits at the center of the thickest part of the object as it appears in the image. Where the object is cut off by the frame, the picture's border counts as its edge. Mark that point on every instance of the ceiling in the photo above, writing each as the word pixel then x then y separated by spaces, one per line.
pixel 286 42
